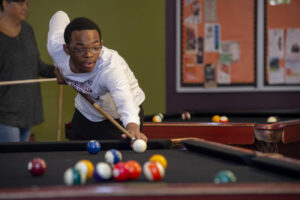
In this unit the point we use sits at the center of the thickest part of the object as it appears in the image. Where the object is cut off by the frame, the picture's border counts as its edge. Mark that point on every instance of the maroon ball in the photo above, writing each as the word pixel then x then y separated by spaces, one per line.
pixel 37 166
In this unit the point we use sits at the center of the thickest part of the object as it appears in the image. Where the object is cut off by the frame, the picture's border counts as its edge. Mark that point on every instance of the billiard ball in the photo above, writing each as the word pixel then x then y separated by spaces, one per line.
pixel 186 116
pixel 73 176
pixel 120 172
pixel 216 118
pixel 37 166
pixel 134 169
pixel 153 171
pixel 139 146
pixel 161 116
pixel 113 156
pixel 93 147
pixel 225 176
pixel 86 167
pixel 156 118
pixel 103 171
pixel 159 158
pixel 272 119
pixel 224 119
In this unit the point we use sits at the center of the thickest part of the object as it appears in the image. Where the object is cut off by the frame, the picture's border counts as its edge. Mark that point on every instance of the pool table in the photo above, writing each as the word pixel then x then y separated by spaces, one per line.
pixel 192 166
pixel 244 129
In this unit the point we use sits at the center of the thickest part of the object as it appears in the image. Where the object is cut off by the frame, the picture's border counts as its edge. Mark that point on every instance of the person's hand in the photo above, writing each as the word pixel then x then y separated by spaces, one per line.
pixel 59 78
pixel 134 130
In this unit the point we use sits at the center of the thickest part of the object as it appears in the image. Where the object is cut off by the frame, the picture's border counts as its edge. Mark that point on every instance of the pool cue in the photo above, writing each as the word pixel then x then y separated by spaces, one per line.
pixel 105 114
pixel 27 81
pixel 60 101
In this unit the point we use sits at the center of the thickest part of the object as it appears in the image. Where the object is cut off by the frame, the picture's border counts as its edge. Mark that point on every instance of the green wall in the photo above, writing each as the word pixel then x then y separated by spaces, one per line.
pixel 135 28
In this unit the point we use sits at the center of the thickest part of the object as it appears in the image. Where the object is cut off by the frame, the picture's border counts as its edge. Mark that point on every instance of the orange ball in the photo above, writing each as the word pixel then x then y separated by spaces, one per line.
pixel 215 118
pixel 134 169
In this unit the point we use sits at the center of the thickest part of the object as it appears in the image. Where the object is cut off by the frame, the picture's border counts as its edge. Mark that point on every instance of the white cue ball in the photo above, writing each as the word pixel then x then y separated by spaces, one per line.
pixel 139 146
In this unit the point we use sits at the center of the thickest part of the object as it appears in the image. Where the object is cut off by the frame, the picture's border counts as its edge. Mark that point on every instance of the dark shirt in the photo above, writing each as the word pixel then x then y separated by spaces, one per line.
pixel 21 105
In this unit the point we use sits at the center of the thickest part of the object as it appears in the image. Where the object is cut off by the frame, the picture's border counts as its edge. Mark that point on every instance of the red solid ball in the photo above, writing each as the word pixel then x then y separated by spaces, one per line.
pixel 120 172
pixel 134 169
pixel 37 166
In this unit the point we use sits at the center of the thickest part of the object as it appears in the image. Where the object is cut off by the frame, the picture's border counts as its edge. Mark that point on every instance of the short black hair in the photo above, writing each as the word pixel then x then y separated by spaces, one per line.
pixel 79 24
pixel 9 1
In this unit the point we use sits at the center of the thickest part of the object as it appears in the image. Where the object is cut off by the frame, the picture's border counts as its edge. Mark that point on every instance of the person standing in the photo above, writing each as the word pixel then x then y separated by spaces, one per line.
pixel 20 105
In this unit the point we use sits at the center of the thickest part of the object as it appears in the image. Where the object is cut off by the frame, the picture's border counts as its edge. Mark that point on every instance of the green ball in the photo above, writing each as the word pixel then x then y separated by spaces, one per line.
pixel 225 176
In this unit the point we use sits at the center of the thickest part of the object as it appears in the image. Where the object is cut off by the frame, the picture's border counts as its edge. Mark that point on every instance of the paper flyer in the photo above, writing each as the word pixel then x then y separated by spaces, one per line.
pixel 275 72
pixel 195 12
pixel 276 43
pixel 293 42
pixel 210 13
pixel 224 73
pixel 212 37
pixel 191 39
pixel 229 51
pixel 292 66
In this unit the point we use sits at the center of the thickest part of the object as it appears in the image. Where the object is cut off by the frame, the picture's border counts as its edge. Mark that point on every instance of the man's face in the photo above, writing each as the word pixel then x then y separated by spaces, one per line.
pixel 84 50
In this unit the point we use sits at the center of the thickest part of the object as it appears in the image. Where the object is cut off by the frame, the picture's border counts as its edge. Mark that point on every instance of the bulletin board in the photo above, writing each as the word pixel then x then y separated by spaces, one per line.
pixel 218 43
pixel 282 56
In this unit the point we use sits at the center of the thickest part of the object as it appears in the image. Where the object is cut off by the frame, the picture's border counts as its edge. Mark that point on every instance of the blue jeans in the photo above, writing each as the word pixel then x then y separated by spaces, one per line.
pixel 14 134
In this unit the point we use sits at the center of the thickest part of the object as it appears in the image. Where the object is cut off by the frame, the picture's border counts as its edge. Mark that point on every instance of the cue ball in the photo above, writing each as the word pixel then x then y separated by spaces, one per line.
pixel 93 147
pixel 272 119
pixel 139 146
pixel 186 116
pixel 224 119
pixel 225 176
pixel 37 166
pixel 103 171
pixel 113 156
pixel 153 171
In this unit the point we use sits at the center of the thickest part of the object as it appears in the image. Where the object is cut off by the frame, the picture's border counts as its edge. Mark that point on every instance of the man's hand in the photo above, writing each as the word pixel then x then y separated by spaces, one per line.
pixel 59 78
pixel 134 130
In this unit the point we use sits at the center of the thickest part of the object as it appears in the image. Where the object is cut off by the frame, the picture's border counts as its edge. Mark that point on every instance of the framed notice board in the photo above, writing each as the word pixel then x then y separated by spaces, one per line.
pixel 282 56
pixel 222 46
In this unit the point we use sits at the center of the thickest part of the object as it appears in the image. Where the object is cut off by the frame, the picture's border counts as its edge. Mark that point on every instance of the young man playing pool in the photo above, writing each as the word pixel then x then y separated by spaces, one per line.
pixel 101 73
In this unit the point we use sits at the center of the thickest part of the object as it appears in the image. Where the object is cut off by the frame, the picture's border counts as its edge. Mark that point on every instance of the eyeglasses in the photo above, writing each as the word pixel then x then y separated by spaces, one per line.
pixel 82 51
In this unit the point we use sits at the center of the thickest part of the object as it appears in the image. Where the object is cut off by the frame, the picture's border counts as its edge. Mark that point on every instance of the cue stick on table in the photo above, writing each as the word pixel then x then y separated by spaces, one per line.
pixel 60 101
pixel 105 114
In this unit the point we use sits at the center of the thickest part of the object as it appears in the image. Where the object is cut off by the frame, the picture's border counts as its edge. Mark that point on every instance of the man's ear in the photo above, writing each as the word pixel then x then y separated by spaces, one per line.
pixel 66 49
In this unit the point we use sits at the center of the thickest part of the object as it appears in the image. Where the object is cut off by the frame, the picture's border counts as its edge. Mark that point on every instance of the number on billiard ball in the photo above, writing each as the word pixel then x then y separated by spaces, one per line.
pixel 37 166
pixel 93 147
